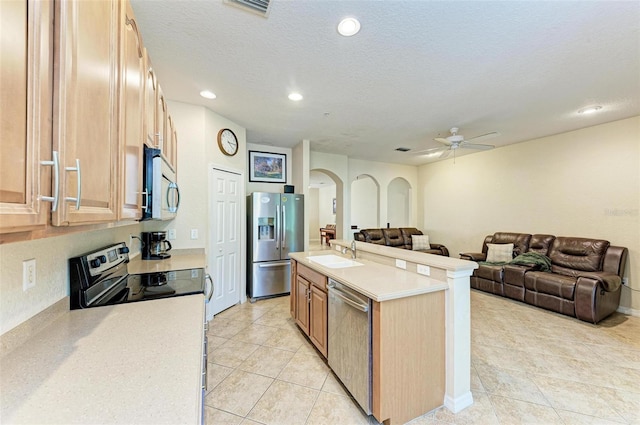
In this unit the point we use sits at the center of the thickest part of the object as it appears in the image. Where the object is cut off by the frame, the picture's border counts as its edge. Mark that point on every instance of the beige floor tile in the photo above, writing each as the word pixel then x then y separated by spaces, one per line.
pixel 577 397
pixel 247 314
pixel 238 393
pixel 480 413
pixel 275 319
pixel 266 361
pixel 510 383
pixel 254 334
pixel 225 328
pixel 305 369
pixel 511 411
pixel 215 416
pixel 332 385
pixel 232 354
pixel 284 403
pixel 247 421
pixel 286 339
pixel 625 403
pixel 476 383
pixel 216 374
pixel 336 409
pixel 573 418
pixel 214 342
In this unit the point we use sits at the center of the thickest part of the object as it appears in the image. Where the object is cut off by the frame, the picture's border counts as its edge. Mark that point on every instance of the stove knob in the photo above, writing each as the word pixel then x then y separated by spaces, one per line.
pixel 95 262
pixel 102 258
pixel 124 250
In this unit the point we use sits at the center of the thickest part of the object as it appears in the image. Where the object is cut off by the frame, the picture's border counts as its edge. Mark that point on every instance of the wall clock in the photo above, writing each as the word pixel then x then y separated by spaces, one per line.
pixel 227 142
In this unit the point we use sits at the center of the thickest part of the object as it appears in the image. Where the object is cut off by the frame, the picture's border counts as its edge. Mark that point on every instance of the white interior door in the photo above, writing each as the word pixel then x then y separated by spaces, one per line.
pixel 225 239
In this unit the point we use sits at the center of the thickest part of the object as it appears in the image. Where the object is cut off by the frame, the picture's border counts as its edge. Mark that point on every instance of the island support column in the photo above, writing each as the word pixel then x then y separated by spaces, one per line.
pixel 458 341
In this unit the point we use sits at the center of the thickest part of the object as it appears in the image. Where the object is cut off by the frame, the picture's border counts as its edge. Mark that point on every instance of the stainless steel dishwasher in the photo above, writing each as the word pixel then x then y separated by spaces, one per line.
pixel 349 345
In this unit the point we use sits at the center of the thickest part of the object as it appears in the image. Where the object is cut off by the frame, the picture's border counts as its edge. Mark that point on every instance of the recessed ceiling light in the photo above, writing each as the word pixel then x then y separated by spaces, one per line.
pixel 349 27
pixel 590 109
pixel 208 94
pixel 295 96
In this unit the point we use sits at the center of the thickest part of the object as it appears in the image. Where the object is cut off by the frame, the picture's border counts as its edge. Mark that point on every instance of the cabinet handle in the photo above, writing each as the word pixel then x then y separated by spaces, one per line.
pixel 56 181
pixel 146 201
pixel 79 185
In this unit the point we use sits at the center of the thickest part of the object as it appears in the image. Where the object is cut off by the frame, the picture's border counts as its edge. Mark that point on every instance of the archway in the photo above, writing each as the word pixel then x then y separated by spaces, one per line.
pixel 399 203
pixel 324 203
pixel 365 202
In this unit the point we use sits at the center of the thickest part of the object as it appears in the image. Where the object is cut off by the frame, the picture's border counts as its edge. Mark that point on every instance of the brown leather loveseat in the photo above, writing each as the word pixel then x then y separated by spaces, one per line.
pixel 583 280
pixel 398 238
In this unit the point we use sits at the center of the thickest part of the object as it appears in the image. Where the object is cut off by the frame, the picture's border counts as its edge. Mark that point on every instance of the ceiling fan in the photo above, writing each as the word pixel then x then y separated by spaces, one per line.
pixel 456 141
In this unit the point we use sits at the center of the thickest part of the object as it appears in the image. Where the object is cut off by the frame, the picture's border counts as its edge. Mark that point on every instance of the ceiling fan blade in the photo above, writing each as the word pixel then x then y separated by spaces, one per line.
pixel 483 137
pixel 442 140
pixel 430 151
pixel 445 154
pixel 476 146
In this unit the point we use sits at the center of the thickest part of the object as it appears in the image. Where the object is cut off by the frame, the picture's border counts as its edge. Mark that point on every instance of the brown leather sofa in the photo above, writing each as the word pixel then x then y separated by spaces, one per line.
pixel 584 280
pixel 398 238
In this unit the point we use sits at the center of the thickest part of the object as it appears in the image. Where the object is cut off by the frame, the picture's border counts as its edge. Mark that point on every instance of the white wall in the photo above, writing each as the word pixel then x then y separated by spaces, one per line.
pixel 365 207
pixel 399 203
pixel 313 217
pixel 584 183
pixel 326 195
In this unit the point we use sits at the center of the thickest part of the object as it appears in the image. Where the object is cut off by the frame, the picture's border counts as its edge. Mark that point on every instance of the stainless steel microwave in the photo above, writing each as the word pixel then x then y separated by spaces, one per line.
pixel 161 192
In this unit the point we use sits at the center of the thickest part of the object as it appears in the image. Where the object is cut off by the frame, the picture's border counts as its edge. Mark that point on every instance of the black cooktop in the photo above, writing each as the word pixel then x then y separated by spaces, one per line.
pixel 100 278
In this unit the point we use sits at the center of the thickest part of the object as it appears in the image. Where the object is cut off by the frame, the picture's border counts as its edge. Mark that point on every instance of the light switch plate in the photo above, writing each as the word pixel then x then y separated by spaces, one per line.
pixel 194 233
pixel 401 264
pixel 172 234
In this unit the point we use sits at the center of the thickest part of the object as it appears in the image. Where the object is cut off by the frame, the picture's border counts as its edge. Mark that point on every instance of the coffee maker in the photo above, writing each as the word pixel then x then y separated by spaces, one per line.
pixel 155 246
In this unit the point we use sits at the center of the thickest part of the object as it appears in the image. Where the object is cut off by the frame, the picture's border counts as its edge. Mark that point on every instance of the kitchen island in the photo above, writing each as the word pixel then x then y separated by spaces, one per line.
pixel 123 364
pixel 417 321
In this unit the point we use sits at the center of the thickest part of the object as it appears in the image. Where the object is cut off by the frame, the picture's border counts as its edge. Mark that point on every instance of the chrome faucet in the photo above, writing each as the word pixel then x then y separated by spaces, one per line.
pixel 352 249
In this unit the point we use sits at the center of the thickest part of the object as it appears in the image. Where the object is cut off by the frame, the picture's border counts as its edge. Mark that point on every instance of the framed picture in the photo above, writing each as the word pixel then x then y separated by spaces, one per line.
pixel 334 205
pixel 267 167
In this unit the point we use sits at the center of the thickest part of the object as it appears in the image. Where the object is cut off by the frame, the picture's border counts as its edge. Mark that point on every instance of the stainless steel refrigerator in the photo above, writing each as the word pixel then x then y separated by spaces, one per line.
pixel 275 227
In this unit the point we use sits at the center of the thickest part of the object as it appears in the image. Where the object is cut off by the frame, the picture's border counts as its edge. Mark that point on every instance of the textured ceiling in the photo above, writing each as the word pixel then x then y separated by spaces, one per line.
pixel 416 69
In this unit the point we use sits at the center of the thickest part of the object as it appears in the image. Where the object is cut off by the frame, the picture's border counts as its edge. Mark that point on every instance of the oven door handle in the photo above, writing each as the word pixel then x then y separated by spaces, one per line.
pixel 208 278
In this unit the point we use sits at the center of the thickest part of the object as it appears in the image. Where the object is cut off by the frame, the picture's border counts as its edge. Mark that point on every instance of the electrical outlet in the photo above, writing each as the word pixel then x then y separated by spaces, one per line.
pixel 194 233
pixel 625 281
pixel 338 247
pixel 28 274
pixel 401 264
pixel 172 234
pixel 425 270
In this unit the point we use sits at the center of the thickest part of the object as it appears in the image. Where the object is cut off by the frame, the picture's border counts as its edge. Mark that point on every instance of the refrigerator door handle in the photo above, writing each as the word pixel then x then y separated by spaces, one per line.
pixel 277 235
pixel 284 227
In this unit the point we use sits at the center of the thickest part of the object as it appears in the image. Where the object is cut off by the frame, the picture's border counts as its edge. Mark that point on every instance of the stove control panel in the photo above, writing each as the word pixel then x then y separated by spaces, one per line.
pixel 107 258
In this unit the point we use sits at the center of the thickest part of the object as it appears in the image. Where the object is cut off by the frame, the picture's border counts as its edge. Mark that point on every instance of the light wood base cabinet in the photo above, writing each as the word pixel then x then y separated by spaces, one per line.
pixel 309 302
pixel 408 357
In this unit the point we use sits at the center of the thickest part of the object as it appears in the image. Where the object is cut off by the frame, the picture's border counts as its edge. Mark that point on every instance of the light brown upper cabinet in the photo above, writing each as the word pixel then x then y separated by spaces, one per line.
pixel 132 116
pixel 85 110
pixel 25 111
pixel 150 93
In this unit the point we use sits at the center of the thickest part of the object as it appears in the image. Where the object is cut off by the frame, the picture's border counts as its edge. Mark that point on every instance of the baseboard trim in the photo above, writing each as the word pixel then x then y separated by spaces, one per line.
pixel 628 311
pixel 459 403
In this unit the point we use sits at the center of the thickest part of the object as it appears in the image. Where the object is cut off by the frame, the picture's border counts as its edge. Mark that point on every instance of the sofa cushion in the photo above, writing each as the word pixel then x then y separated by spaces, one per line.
pixel 393 238
pixel 570 256
pixel 373 236
pixel 420 242
pixel 520 241
pixel 407 232
pixel 541 244
pixel 499 253
pixel 489 272
pixel 550 283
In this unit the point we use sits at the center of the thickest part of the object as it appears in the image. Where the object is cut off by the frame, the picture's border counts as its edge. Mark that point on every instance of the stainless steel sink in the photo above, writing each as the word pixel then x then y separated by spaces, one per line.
pixel 333 261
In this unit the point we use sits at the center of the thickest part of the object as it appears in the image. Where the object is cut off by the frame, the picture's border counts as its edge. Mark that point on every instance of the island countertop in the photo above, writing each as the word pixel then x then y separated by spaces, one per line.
pixel 376 281
pixel 129 363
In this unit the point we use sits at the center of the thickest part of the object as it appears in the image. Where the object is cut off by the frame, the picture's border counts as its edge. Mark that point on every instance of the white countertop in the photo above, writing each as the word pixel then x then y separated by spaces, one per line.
pixel 376 281
pixel 123 364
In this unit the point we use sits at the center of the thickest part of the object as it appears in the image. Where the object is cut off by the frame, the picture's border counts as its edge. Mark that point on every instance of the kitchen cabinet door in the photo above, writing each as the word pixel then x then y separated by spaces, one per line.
pixel 85 111
pixel 25 111
pixel 131 116
pixel 150 92
pixel 293 295
pixel 162 118
pixel 318 319
pixel 302 303
pixel 170 143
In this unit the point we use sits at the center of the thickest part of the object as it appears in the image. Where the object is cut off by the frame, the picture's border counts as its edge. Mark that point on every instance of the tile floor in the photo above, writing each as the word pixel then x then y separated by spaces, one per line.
pixel 529 366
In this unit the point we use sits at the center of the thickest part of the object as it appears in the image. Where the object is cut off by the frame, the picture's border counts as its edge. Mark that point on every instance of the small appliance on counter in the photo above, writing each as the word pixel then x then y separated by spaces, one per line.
pixel 155 246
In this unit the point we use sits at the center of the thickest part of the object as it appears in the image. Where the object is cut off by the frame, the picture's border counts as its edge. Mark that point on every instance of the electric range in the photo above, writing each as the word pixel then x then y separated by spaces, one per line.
pixel 101 278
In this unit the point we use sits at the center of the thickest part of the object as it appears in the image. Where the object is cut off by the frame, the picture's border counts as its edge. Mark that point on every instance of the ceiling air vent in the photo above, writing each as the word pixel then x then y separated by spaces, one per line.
pixel 403 149
pixel 261 7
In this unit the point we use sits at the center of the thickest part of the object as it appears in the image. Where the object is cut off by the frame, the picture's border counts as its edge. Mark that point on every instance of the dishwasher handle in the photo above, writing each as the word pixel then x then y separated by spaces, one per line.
pixel 344 297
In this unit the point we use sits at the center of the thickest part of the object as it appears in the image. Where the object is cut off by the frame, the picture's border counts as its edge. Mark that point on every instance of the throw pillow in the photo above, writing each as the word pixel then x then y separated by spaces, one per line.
pixel 499 252
pixel 420 242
